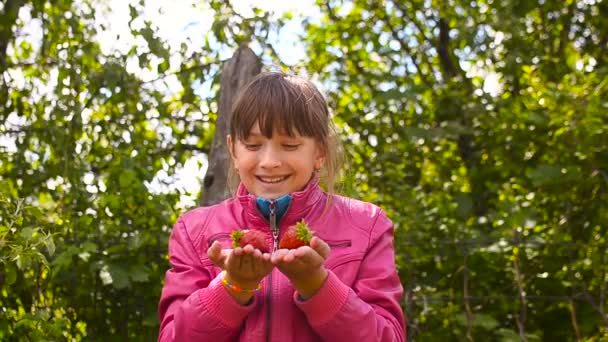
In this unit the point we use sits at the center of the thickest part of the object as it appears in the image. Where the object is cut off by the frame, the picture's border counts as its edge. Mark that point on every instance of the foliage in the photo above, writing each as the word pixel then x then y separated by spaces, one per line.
pixel 479 125
pixel 498 189
pixel 25 246
pixel 90 135
pixel 92 130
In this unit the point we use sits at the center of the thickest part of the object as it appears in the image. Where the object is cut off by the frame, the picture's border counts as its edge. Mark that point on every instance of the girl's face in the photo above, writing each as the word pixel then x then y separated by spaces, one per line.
pixel 274 167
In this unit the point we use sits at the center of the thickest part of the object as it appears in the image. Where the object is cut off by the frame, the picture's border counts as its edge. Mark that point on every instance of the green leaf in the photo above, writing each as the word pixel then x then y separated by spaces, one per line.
pixel 507 335
pixel 127 178
pixel 25 322
pixel 11 273
pixel 162 67
pixel 89 247
pixel 544 174
pixel 139 275
pixel 120 276
pixel 539 119
pixel 465 204
pixel 487 322
pixel 27 233
pixel 50 245
pixel 63 260
pixel 416 132
pixel 480 320
pixel 150 320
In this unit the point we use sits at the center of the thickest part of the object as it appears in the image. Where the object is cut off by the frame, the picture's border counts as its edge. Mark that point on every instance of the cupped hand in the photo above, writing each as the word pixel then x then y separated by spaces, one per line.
pixel 304 265
pixel 244 266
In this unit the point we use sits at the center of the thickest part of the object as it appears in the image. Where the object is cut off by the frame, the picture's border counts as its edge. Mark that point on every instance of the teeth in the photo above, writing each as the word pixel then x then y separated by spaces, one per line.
pixel 272 180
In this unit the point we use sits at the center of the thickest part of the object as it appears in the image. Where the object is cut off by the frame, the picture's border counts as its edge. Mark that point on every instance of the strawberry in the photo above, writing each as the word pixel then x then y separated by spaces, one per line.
pixel 296 236
pixel 244 237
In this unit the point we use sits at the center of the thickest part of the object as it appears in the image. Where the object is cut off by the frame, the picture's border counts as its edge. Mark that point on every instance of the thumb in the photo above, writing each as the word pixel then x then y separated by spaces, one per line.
pixel 215 254
pixel 320 247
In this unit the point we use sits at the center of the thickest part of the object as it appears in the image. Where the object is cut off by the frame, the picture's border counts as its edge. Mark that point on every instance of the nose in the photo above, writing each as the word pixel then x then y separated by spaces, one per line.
pixel 270 158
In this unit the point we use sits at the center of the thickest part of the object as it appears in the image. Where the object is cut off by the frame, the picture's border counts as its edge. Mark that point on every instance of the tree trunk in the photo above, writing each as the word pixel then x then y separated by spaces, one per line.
pixel 239 70
pixel 8 18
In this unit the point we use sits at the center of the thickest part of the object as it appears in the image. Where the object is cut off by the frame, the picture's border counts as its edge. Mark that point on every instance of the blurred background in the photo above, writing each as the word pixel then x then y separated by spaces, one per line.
pixel 480 126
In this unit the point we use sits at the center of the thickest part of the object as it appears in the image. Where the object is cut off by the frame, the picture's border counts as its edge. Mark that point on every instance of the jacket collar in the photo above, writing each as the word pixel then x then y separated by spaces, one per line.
pixel 303 203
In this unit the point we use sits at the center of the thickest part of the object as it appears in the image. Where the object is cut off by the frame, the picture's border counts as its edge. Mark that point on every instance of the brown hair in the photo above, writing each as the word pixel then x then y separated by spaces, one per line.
pixel 290 105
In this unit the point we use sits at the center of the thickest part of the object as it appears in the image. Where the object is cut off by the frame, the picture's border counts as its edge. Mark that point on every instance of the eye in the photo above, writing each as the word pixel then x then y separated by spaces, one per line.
pixel 252 147
pixel 291 147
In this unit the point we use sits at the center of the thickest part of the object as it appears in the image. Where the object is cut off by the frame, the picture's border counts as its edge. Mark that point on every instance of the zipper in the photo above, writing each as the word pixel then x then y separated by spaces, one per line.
pixel 273 226
pixel 275 246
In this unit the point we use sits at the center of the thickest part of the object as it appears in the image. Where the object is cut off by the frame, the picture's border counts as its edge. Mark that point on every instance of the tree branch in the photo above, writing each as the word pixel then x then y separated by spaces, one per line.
pixel 443 49
pixel 9 17
pixel 184 70
pixel 467 304
pixel 574 320
pixel 403 45
pixel 413 20
pixel 598 308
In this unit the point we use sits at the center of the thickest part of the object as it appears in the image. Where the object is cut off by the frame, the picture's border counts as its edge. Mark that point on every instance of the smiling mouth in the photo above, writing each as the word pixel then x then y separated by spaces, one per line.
pixel 272 180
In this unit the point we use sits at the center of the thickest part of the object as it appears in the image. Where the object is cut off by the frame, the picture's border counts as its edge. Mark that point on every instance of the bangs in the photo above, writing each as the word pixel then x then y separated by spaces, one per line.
pixel 279 104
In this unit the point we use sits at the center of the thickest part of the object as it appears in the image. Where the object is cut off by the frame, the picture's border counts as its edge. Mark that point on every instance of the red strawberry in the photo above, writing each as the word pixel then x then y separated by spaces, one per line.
pixel 296 236
pixel 244 237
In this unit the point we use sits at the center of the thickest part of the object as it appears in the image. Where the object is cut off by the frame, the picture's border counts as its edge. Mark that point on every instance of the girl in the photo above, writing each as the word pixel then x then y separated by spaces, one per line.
pixel 343 287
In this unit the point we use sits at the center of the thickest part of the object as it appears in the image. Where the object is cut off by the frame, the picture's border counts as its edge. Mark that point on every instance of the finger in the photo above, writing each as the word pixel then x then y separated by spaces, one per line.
pixel 233 259
pixel 250 260
pixel 213 251
pixel 303 252
pixel 245 262
pixel 255 265
pixel 215 254
pixel 277 257
pixel 248 250
pixel 261 263
pixel 320 247
pixel 289 256
pixel 257 254
pixel 306 256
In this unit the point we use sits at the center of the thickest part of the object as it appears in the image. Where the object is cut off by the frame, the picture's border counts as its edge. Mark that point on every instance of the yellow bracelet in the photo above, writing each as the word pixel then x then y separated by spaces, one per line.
pixel 237 288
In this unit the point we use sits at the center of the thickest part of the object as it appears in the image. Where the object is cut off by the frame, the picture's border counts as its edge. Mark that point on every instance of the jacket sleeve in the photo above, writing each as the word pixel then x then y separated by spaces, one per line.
pixel 372 305
pixel 194 305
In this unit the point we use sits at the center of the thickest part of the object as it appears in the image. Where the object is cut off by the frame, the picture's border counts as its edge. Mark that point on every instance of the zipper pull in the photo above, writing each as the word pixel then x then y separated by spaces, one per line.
pixel 273 225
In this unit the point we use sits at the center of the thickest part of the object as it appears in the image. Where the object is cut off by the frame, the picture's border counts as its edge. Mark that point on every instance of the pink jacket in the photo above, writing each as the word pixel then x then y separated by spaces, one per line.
pixel 358 302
